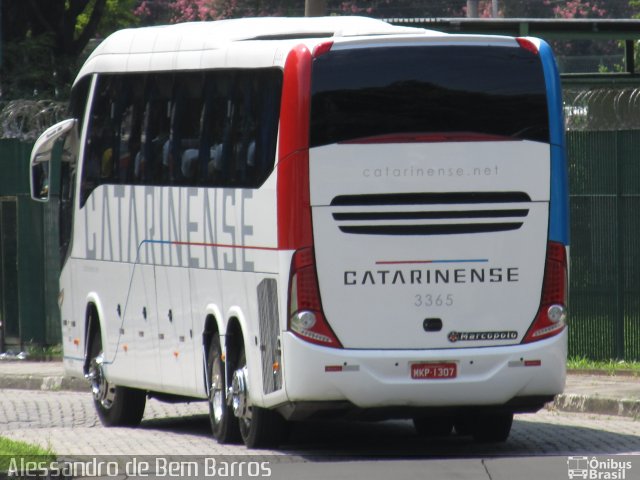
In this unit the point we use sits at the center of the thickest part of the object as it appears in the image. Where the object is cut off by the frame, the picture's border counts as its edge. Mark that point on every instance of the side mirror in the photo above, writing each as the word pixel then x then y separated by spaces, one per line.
pixel 41 158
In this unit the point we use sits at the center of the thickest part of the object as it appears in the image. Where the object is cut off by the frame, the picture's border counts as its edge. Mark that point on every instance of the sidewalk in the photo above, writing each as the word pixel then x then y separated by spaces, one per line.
pixel 27 375
pixel 602 393
pixel 585 393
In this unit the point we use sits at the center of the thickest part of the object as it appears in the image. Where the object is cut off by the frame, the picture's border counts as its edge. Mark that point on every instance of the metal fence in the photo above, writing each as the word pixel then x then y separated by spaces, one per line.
pixel 603 140
pixel 28 269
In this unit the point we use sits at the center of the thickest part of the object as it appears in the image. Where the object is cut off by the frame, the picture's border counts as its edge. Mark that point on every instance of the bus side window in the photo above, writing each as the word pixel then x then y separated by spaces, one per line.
pixel 98 167
pixel 185 128
pixel 125 160
pixel 228 113
pixel 216 129
pixel 69 165
pixel 132 131
pixel 126 117
pixel 160 131
pixel 244 131
pixel 212 130
pixel 240 125
pixel 155 129
pixel 218 135
pixel 267 86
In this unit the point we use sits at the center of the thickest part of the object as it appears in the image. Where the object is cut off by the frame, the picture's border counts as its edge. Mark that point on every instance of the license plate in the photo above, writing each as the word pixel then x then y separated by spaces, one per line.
pixel 430 370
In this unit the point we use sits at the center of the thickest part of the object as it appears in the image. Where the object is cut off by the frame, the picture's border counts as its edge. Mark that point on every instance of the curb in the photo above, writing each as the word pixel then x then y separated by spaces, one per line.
pixel 605 373
pixel 37 382
pixel 571 402
pixel 566 402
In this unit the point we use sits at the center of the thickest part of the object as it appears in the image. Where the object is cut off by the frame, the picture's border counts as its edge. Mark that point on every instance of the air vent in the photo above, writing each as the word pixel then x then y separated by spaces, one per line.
pixel 434 215
pixel 462 219
pixel 430 198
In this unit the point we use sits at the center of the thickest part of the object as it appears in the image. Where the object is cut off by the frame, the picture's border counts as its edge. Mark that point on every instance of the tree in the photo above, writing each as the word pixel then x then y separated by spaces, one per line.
pixel 43 40
pixel 400 8
pixel 152 12
pixel 164 11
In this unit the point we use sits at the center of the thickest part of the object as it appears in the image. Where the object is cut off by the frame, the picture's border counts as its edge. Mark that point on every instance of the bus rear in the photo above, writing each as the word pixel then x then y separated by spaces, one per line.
pixel 430 265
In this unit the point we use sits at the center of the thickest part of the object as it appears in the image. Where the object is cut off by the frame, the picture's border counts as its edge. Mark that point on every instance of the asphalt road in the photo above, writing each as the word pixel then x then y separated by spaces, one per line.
pixel 538 447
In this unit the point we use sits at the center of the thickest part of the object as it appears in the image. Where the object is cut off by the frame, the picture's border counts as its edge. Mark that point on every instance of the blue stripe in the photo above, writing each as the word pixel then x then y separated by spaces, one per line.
pixel 157 242
pixel 559 205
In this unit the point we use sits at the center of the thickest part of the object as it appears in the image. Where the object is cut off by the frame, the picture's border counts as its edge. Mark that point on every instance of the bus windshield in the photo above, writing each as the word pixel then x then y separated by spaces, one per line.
pixel 467 91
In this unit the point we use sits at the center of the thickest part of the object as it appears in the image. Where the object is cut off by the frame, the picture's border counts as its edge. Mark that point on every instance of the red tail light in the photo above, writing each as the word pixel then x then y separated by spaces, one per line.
pixel 527 45
pixel 321 49
pixel 306 319
pixel 551 317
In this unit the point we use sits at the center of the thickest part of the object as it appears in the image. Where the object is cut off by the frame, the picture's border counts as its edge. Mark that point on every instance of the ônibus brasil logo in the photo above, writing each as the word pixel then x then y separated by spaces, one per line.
pixel 597 469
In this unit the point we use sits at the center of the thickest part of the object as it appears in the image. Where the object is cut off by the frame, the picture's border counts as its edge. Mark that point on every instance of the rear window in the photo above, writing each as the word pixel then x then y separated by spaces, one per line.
pixel 478 90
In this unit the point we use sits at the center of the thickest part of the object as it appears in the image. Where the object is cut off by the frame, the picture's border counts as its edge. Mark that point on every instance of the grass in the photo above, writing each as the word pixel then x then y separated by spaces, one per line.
pixel 44 353
pixel 12 449
pixel 610 367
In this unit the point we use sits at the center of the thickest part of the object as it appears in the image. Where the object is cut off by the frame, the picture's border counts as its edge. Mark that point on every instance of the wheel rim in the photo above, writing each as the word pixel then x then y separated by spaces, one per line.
pixel 239 397
pixel 102 391
pixel 217 393
pixel 240 394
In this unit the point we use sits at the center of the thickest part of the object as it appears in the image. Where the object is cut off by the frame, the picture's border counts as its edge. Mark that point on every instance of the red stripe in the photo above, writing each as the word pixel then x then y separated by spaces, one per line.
pixel 294 205
pixel 224 245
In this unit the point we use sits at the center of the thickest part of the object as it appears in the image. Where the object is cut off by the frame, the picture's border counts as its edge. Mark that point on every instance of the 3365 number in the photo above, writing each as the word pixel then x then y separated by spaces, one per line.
pixel 434 300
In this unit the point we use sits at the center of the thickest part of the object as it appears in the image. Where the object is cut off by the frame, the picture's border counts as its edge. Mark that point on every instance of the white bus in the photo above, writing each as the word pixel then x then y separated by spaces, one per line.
pixel 312 218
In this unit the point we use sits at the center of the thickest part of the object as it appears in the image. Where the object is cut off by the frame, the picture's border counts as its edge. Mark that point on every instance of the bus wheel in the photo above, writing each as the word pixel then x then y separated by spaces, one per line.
pixel 492 428
pixel 259 427
pixel 223 424
pixel 116 406
pixel 463 424
pixel 433 426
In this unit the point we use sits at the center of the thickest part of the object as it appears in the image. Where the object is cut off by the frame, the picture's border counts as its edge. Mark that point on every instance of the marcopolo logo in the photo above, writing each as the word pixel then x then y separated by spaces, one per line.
pixel 597 469
pixel 481 336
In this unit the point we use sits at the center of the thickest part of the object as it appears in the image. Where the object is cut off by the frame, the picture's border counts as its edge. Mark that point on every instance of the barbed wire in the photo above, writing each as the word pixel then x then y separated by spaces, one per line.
pixel 27 119
pixel 602 109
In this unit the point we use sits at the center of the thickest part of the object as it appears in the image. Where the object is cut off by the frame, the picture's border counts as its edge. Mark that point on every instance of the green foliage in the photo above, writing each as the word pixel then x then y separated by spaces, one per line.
pixel 43 41
pixel 11 449
pixel 582 363
pixel 44 353
pixel 635 6
pixel 33 71
pixel 118 14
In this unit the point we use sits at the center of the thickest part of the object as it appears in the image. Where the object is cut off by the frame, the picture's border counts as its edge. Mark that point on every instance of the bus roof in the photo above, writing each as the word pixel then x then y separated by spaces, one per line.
pixel 189 39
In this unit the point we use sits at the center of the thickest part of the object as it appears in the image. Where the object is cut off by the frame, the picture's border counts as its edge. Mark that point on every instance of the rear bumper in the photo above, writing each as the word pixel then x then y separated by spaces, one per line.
pixel 381 379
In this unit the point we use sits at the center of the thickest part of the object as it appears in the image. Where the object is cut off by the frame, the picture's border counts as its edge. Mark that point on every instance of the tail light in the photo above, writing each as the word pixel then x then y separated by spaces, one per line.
pixel 306 319
pixel 527 45
pixel 321 49
pixel 552 314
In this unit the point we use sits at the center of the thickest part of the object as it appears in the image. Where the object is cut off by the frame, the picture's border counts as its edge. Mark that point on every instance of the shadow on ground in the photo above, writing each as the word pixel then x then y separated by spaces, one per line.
pixel 397 439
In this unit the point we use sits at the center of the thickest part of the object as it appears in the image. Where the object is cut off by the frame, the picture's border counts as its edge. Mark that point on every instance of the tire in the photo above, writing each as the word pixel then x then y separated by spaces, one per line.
pixel 116 406
pixel 259 427
pixel 492 428
pixel 464 425
pixel 430 427
pixel 224 425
